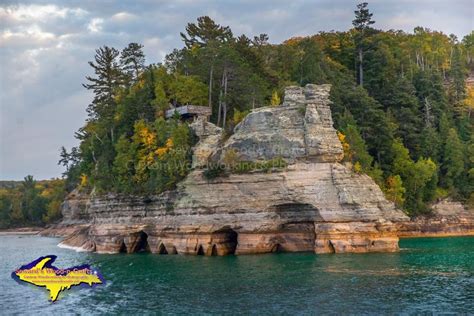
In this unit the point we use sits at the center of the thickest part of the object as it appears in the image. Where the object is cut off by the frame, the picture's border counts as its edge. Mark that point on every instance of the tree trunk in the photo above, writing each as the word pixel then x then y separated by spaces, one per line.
pixel 225 102
pixel 219 112
pixel 211 73
pixel 361 70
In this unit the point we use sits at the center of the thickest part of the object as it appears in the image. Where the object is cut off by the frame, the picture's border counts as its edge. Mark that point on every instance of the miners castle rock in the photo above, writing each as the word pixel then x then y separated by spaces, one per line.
pixel 314 204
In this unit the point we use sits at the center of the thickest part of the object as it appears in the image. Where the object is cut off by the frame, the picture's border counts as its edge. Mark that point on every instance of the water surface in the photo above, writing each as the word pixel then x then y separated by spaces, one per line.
pixel 428 275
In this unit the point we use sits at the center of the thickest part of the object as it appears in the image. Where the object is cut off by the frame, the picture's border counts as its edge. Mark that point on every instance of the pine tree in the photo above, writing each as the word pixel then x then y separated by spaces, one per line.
pixel 104 86
pixel 132 61
pixel 458 74
pixel 362 22
pixel 205 31
pixel 453 159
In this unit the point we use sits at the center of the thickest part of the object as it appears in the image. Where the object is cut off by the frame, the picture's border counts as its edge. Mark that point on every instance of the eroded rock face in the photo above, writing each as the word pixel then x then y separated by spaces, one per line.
pixel 210 137
pixel 301 128
pixel 314 204
pixel 449 218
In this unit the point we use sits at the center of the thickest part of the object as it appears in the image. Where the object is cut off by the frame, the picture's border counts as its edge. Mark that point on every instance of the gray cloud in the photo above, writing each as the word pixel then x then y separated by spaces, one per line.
pixel 45 46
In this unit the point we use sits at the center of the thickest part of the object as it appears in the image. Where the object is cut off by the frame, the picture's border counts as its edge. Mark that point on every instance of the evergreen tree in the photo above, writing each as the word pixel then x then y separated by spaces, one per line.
pixel 458 75
pixel 362 22
pixel 453 159
pixel 132 61
pixel 104 86
pixel 205 31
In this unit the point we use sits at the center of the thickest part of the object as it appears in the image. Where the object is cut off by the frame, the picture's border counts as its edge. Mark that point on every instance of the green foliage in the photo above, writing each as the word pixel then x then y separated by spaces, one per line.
pixel 188 90
pixel 453 159
pixel 414 175
pixel 395 191
pixel 31 203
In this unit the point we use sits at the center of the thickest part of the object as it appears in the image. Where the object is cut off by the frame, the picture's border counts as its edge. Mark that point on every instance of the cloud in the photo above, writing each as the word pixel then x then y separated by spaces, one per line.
pixel 123 17
pixel 45 46
pixel 95 25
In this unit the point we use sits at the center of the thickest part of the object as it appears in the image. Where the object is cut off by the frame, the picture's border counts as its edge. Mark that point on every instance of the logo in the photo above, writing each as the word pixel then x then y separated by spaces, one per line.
pixel 42 273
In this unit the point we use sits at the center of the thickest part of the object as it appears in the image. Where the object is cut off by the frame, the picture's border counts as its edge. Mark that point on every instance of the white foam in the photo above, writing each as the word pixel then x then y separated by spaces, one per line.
pixel 77 249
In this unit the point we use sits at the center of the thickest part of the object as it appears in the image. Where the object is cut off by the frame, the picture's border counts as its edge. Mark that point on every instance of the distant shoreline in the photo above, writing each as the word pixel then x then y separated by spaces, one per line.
pixel 21 231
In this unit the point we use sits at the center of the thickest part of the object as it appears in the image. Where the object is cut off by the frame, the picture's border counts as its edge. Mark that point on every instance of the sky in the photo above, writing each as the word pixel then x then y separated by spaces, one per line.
pixel 45 47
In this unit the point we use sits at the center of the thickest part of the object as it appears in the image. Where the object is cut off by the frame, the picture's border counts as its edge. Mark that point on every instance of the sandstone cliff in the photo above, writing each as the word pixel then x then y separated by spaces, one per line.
pixel 448 218
pixel 313 204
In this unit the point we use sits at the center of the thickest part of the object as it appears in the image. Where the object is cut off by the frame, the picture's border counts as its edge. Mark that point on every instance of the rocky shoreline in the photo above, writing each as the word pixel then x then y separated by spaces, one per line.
pixel 21 231
pixel 313 204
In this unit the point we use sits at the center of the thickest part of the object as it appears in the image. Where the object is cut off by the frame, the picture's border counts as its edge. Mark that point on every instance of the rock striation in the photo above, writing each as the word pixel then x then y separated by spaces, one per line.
pixel 448 218
pixel 313 204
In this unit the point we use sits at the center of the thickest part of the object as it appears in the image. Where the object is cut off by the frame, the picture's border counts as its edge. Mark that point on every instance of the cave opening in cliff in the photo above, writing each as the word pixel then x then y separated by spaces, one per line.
pixel 277 248
pixel 162 250
pixel 200 251
pixel 142 243
pixel 214 250
pixel 123 247
pixel 230 241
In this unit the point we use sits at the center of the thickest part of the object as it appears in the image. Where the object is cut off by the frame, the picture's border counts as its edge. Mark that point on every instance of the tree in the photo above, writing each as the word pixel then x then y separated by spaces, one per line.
pixel 33 206
pixel 260 40
pixel 132 61
pixel 205 31
pixel 310 63
pixel 188 90
pixel 414 176
pixel 458 74
pixel 105 84
pixel 453 159
pixel 395 191
pixel 362 22
pixel 275 101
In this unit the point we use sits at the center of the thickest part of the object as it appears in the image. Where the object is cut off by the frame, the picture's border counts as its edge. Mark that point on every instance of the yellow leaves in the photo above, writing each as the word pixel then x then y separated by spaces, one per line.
pixel 83 180
pixel 163 150
pixel 239 116
pixel 293 41
pixel 144 136
pixel 469 101
pixel 357 167
pixel 46 193
pixel 342 137
pixel 345 146
pixel 275 101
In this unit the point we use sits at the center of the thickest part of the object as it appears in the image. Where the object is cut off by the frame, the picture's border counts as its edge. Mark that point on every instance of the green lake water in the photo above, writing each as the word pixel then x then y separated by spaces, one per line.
pixel 429 275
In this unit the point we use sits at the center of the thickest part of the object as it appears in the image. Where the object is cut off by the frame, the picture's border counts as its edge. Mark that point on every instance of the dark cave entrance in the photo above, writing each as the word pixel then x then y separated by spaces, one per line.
pixel 200 251
pixel 229 241
pixel 214 250
pixel 123 248
pixel 277 248
pixel 142 243
pixel 162 250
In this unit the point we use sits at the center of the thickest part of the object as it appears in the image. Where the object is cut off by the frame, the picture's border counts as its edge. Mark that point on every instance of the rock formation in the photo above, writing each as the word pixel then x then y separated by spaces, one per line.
pixel 448 218
pixel 314 204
